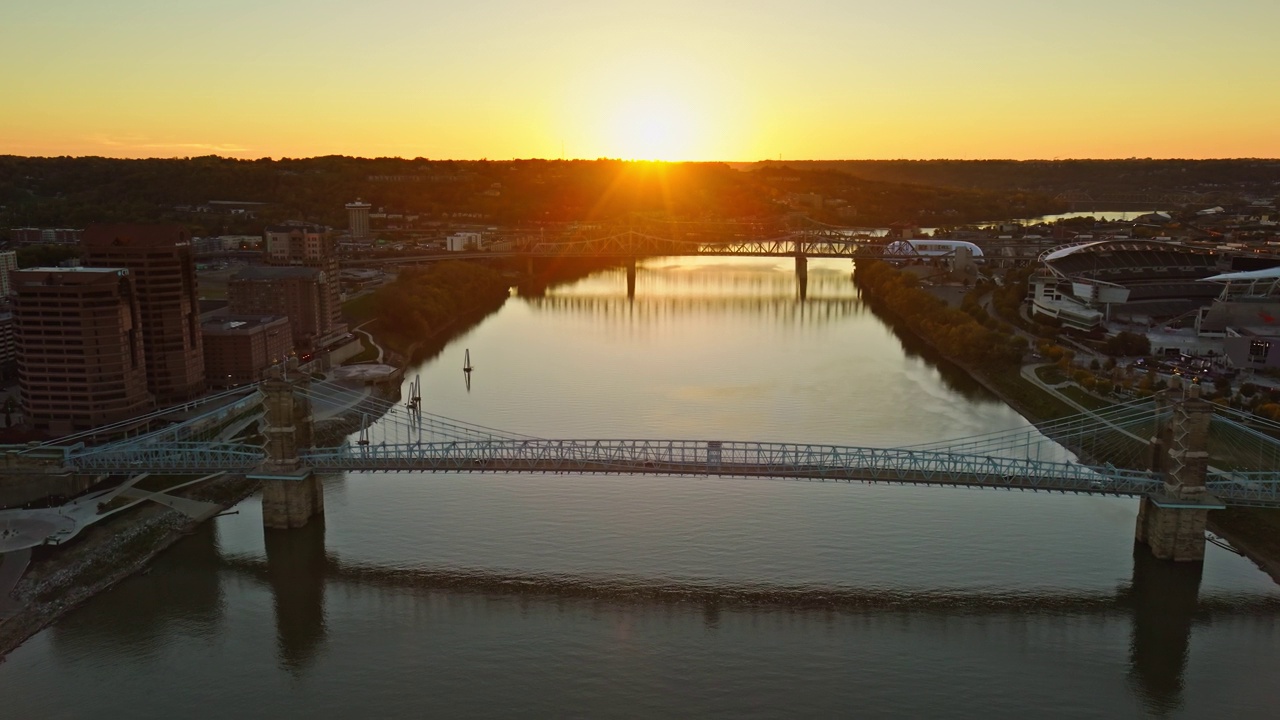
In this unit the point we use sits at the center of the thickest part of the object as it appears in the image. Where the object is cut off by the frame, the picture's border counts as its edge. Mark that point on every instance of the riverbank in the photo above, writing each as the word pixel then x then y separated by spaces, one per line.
pixel 61 578
pixel 1255 532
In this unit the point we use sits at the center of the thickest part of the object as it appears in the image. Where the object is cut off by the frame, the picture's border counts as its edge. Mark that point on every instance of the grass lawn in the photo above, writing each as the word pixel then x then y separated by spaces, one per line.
pixel 1050 374
pixel 359 309
pixel 1085 399
pixel 1039 403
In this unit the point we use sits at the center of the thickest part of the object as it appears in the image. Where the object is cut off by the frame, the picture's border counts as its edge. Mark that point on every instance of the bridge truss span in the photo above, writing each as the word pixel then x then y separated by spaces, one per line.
pixel 169 457
pixel 632 244
pixel 1096 452
pixel 738 459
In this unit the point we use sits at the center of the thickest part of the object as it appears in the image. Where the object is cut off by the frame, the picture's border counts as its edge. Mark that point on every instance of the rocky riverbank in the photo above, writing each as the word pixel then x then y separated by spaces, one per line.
pixel 61 578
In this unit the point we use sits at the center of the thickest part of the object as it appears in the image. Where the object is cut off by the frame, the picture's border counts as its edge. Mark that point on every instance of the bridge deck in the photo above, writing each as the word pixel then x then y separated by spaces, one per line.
pixel 692 458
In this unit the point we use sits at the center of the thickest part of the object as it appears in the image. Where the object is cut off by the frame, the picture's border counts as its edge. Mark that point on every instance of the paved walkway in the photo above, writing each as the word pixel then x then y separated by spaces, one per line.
pixel 26 528
pixel 357 329
pixel 194 509
pixel 1029 374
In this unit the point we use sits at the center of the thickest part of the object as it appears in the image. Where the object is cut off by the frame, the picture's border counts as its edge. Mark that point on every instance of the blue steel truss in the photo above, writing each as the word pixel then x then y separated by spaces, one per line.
pixel 169 457
pixel 689 458
pixel 400 439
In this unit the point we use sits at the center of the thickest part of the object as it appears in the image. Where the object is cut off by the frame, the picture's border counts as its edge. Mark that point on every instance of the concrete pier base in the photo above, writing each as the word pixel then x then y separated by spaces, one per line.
pixel 631 279
pixel 1170 531
pixel 289 503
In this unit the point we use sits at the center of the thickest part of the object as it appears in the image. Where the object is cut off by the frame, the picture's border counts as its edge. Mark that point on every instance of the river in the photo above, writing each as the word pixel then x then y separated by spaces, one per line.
pixel 601 597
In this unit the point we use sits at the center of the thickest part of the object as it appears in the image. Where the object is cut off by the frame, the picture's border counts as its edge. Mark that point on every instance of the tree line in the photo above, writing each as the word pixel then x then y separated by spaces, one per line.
pixel 957 334
pixel 424 301
pixel 73 192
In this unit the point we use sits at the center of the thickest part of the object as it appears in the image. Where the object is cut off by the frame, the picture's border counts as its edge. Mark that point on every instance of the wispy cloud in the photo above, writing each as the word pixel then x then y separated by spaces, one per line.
pixel 144 143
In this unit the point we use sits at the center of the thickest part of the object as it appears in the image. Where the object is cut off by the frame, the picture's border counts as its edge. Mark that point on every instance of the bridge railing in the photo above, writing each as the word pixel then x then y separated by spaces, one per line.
pixel 1258 489
pixel 176 457
pixel 687 457
pixel 683 457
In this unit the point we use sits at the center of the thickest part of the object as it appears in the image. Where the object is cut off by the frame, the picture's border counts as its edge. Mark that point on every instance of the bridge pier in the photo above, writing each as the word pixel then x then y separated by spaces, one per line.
pixel 1172 524
pixel 631 279
pixel 802 275
pixel 291 493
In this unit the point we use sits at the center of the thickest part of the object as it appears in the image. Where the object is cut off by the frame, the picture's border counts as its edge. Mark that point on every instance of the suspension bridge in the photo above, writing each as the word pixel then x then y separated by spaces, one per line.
pixel 1180 454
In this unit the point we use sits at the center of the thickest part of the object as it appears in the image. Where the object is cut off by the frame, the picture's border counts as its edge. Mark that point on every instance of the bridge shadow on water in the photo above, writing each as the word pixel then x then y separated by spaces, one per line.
pixel 296 572
pixel 185 593
pixel 1165 607
pixel 1162 601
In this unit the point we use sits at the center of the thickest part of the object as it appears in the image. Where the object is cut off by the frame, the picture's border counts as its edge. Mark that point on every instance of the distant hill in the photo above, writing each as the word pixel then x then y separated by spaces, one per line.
pixel 216 195
pixel 1258 177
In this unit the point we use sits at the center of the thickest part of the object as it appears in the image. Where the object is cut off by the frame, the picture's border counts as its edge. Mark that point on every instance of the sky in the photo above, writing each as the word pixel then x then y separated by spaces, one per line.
pixel 642 79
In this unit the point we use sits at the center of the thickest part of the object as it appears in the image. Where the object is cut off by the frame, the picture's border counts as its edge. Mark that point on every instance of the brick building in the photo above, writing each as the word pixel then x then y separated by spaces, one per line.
pixel 162 264
pixel 80 350
pixel 313 247
pixel 238 348
pixel 295 292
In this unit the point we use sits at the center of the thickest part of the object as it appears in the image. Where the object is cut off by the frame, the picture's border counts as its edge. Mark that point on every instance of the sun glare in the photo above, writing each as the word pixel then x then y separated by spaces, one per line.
pixel 654 128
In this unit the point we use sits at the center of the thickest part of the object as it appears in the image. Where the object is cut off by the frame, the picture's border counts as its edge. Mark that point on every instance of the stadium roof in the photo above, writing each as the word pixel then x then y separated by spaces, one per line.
pixel 1119 243
pixel 1271 273
pixel 1071 249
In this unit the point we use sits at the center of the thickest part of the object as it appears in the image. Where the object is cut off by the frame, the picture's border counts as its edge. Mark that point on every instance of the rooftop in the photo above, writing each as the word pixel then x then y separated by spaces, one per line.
pixel 260 272
pixel 232 324
pixel 136 234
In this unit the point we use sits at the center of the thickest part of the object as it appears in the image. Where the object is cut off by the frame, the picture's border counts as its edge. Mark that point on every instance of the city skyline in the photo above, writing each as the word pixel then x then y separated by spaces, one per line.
pixel 657 80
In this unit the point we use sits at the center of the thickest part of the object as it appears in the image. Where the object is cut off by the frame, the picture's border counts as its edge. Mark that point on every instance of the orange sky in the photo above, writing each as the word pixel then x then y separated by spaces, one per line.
pixel 710 80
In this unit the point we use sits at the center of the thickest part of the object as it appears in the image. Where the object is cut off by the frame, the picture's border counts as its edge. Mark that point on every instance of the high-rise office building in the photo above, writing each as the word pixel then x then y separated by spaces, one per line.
pixel 312 247
pixel 81 363
pixel 8 263
pixel 294 292
pixel 162 264
pixel 358 219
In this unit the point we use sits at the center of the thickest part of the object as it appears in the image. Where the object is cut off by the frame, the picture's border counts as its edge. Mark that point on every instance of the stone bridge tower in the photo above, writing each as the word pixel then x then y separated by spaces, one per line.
pixel 291 493
pixel 1172 523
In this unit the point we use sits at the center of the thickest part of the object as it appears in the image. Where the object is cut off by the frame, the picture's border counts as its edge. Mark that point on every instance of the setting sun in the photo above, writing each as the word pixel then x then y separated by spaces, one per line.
pixel 654 128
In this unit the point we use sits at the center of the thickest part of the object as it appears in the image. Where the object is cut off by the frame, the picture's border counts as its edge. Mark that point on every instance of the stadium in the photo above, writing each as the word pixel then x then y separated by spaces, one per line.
pixel 1150 281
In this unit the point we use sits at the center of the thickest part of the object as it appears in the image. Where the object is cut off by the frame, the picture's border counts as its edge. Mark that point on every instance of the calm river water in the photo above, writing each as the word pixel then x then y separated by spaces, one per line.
pixel 599 597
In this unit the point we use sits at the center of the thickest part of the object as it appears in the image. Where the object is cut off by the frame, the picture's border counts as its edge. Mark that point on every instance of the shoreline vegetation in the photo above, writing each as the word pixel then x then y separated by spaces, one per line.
pixel 957 338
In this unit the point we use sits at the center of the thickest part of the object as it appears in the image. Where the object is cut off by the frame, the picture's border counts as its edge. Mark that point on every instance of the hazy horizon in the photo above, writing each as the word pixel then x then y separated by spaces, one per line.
pixel 784 160
pixel 662 79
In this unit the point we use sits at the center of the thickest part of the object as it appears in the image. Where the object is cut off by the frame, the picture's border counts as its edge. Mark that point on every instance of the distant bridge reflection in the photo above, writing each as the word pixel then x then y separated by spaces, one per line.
pixel 642 308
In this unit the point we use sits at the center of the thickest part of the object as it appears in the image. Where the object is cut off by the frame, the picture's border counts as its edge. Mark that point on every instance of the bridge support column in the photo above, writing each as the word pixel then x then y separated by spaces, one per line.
pixel 291 493
pixel 802 275
pixel 631 279
pixel 1172 524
